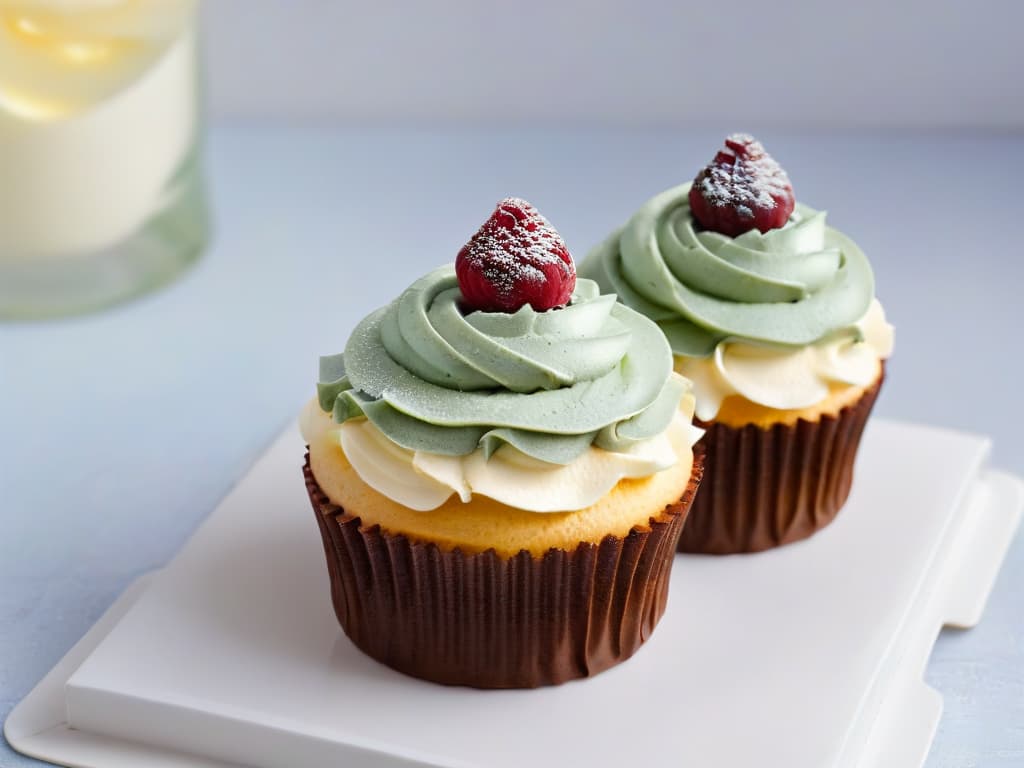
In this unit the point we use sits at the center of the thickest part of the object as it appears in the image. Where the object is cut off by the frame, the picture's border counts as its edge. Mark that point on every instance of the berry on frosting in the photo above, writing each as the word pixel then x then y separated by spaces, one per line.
pixel 516 258
pixel 743 188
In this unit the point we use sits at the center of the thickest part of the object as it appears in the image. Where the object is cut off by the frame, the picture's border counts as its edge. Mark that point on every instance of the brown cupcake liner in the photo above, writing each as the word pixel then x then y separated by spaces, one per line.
pixel 488 621
pixel 763 488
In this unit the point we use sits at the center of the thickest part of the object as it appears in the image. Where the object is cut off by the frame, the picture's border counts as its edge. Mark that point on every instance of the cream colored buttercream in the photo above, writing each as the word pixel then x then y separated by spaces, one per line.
pixel 484 523
pixel 787 379
pixel 424 481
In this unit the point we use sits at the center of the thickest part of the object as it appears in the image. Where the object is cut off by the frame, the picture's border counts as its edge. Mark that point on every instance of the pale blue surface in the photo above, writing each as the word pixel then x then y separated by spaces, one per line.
pixel 123 430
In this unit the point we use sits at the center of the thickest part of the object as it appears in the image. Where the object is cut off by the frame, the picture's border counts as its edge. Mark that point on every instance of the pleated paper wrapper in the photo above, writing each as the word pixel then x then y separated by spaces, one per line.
pixel 763 488
pixel 488 621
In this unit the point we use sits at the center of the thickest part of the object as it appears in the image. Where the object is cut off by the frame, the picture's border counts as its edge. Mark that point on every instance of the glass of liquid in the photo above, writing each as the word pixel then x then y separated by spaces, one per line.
pixel 101 193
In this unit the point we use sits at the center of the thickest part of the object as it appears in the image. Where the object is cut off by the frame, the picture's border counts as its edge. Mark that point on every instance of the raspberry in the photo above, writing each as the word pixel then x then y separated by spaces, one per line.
pixel 516 258
pixel 743 188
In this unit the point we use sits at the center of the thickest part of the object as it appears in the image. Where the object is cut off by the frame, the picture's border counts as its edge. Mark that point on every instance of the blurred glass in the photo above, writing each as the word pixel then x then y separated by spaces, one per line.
pixel 101 193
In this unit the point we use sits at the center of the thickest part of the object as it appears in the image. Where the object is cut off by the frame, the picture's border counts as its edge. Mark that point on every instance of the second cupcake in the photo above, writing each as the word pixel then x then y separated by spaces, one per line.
pixel 772 315
pixel 500 464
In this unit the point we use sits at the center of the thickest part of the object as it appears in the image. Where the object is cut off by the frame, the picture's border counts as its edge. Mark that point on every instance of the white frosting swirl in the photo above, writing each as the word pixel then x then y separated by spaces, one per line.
pixel 784 377
pixel 423 481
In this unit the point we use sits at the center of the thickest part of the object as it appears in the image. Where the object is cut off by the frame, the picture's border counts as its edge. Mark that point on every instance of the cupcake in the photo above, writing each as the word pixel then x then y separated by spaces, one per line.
pixel 500 464
pixel 771 314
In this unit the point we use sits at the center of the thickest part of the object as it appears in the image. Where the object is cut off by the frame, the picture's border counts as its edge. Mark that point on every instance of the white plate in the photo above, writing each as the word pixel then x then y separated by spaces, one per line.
pixel 807 656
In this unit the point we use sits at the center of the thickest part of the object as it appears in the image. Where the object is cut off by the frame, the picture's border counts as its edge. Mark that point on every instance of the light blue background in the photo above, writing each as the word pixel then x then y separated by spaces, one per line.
pixel 122 430
pixel 805 63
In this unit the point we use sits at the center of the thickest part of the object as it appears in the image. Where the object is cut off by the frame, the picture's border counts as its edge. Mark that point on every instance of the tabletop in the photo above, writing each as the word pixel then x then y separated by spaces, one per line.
pixel 124 429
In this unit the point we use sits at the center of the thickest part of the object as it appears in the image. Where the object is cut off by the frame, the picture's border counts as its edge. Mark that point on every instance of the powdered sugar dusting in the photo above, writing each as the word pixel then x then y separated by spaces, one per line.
pixel 742 188
pixel 519 255
pixel 751 180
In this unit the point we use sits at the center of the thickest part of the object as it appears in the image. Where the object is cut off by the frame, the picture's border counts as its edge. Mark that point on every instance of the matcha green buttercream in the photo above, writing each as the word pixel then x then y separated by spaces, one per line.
pixel 549 383
pixel 789 286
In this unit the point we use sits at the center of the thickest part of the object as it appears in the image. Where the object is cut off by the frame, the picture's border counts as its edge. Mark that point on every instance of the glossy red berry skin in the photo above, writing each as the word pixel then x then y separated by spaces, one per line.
pixel 516 258
pixel 743 188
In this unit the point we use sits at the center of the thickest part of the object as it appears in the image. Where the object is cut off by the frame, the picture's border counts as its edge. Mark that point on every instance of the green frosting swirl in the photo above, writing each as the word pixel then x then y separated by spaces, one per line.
pixel 790 286
pixel 549 383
